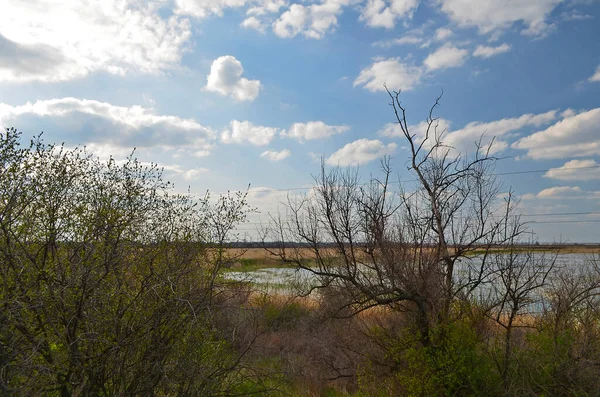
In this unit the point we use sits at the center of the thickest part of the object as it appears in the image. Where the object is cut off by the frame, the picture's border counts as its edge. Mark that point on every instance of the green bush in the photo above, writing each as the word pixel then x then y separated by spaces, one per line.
pixel 285 315
pixel 108 286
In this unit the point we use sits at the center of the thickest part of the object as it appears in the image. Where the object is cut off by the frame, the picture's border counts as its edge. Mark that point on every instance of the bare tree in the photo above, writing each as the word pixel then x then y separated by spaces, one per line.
pixel 517 287
pixel 410 250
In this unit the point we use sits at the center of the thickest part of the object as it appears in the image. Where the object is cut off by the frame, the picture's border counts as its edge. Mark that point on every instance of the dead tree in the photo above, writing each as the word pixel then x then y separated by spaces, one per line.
pixel 408 248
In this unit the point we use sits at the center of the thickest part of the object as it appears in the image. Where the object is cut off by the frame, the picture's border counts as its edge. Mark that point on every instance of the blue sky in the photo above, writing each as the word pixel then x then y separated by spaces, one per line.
pixel 231 92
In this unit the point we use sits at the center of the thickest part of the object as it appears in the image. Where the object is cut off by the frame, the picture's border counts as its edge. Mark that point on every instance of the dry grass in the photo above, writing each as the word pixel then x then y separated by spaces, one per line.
pixel 260 253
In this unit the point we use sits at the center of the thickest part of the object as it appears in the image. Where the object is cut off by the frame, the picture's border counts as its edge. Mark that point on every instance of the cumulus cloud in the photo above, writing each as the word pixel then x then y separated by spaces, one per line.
pixel 360 151
pixel 291 22
pixel 194 173
pixel 576 135
pixel 384 13
pixel 268 200
pixel 263 7
pixel 492 15
pixel 205 8
pixel 393 130
pixel 313 130
pixel 464 139
pixel 393 72
pixel 253 23
pixel 118 37
pixel 312 21
pixel 105 126
pixel 596 76
pixel 276 156
pixel 485 52
pixel 442 34
pixel 176 169
pixel 29 62
pixel 575 170
pixel 245 131
pixel 447 56
pixel 105 151
pixel 563 193
pixel 225 78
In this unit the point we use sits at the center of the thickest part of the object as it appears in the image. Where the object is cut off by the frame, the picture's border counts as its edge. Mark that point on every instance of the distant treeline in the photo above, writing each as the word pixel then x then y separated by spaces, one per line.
pixel 287 244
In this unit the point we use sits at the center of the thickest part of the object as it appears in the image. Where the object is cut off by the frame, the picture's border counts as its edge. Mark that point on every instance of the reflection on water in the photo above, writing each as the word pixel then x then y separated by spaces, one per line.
pixel 280 280
pixel 292 280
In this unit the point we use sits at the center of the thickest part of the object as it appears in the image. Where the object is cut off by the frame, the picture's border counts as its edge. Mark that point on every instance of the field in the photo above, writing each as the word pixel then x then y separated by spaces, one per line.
pixel 309 350
pixel 263 257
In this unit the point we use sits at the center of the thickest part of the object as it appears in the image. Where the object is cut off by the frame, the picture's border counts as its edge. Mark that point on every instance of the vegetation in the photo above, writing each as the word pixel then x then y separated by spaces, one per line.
pixel 109 281
pixel 446 257
pixel 111 284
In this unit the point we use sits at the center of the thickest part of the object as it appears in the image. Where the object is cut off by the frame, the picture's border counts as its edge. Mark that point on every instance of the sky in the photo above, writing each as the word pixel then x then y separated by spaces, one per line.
pixel 227 93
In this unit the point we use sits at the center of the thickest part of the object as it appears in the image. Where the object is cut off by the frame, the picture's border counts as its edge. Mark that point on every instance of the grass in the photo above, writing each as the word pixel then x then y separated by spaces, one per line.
pixel 253 264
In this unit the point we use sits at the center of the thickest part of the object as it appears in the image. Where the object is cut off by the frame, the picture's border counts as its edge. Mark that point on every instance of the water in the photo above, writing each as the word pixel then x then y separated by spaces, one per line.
pixel 292 280
pixel 280 280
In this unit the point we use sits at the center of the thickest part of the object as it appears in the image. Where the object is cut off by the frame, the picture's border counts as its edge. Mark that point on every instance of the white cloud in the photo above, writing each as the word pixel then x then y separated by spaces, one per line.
pixel 105 151
pixel 105 126
pixel 563 193
pixel 575 15
pixel 201 153
pixel 225 78
pixel 253 23
pixel 245 131
pixel 393 72
pixel 465 138
pixel 493 15
pixel 291 22
pixel 316 157
pixel 205 8
pixel 268 200
pixel 313 130
pixel 313 21
pixel 266 7
pixel 575 170
pixel 384 13
pixel 276 156
pixel 194 173
pixel 596 76
pixel 539 29
pixel 37 42
pixel 361 151
pixel 188 175
pixel 404 40
pixel 485 52
pixel 447 56
pixel 415 36
pixel 442 34
pixel 574 136
pixel 440 129
pixel 393 130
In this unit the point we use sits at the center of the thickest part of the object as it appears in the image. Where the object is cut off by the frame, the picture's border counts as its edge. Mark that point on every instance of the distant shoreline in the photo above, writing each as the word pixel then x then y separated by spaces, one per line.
pixel 251 251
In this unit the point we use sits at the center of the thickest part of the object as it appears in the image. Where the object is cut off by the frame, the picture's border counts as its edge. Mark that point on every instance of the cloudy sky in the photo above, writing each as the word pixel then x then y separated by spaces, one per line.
pixel 226 93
